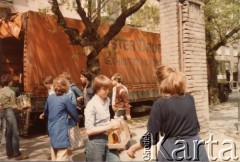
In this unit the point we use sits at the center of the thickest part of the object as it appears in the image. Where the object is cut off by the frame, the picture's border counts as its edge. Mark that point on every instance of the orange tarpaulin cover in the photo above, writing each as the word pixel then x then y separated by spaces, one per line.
pixel 133 53
pixel 11 27
pixel 47 51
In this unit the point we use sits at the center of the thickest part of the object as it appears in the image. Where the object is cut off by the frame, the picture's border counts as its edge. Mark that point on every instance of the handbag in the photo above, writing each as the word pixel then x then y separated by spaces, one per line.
pixel 23 101
pixel 75 137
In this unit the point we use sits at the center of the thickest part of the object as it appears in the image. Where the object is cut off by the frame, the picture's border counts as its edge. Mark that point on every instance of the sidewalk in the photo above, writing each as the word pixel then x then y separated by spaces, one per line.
pixel 37 147
pixel 222 125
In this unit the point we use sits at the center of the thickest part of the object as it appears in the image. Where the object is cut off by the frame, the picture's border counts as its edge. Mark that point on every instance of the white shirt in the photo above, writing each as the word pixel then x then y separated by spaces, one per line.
pixel 97 112
pixel 51 91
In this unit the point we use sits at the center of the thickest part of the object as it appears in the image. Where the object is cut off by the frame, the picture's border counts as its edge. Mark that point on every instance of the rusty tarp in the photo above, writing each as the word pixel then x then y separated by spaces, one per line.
pixel 11 26
pixel 133 53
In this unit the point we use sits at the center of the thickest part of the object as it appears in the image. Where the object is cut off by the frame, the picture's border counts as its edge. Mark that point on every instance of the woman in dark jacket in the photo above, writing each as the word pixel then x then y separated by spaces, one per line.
pixel 57 109
pixel 174 117
pixel 86 79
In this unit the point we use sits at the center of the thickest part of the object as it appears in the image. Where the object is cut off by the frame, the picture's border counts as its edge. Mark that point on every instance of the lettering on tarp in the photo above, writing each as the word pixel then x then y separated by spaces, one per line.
pixel 141 45
pixel 129 61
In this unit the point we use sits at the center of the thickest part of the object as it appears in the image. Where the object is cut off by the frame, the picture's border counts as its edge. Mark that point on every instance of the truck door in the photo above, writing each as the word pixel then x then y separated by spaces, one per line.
pixel 11 60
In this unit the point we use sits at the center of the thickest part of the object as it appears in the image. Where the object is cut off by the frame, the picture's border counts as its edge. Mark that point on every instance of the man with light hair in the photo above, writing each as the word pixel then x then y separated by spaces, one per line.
pixel 120 103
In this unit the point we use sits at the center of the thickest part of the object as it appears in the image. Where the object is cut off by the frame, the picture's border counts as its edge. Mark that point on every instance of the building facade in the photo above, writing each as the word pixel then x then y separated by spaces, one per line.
pixel 228 59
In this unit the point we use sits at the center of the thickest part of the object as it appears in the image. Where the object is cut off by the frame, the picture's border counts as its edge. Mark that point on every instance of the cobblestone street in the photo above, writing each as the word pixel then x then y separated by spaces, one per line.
pixel 37 147
pixel 223 127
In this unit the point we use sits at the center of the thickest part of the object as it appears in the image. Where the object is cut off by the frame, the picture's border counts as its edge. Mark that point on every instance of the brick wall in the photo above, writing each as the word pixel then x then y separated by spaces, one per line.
pixel 183 46
pixel 169 32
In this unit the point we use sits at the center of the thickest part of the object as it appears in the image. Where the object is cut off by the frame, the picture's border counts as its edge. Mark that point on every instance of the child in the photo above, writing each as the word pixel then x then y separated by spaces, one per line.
pixel 57 109
pixel 75 90
pixel 97 123
pixel 88 93
pixel 120 103
pixel 48 84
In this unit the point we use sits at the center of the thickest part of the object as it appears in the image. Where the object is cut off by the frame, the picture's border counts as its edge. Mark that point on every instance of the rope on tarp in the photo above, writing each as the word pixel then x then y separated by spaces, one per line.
pixel 11 26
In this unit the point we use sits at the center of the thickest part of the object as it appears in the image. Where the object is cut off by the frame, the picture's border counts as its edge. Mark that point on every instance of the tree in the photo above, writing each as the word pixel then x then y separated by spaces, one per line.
pixel 222 27
pixel 89 38
pixel 147 17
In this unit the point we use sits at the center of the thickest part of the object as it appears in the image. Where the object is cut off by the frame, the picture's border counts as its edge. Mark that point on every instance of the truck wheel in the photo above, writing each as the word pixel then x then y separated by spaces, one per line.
pixel 223 96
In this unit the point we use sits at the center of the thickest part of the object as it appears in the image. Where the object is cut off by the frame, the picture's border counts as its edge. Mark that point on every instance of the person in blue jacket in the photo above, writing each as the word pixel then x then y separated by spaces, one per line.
pixel 57 109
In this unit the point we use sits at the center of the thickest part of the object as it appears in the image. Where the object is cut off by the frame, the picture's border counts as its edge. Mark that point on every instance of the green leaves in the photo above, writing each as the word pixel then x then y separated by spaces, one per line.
pixel 148 16
pixel 222 17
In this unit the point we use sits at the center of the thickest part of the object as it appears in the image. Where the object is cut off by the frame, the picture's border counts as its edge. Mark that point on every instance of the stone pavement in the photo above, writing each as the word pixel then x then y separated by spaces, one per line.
pixel 37 147
pixel 222 124
pixel 224 129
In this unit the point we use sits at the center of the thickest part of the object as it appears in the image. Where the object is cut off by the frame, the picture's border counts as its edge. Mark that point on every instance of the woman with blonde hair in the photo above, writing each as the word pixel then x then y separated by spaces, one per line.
pixel 174 117
pixel 57 109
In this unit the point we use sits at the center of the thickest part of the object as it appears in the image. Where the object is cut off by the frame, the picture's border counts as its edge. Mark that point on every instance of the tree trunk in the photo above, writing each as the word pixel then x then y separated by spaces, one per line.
pixel 93 64
pixel 213 81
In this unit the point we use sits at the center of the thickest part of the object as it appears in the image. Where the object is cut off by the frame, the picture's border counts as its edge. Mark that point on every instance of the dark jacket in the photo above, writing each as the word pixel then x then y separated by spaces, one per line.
pixel 78 93
pixel 57 109
pixel 88 93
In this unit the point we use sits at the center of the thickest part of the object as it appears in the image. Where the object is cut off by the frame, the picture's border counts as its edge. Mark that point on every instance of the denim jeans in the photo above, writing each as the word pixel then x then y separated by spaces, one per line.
pixel 193 149
pixel 12 133
pixel 97 149
pixel 3 126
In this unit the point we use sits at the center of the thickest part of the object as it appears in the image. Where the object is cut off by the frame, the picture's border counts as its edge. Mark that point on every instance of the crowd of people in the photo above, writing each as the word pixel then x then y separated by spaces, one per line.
pixel 65 101
pixel 173 115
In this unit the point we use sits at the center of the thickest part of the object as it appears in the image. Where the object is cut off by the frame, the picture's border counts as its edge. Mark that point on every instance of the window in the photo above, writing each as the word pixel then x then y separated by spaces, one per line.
pixel 219 51
pixel 235 67
pixel 227 65
pixel 223 66
pixel 235 52
pixel 227 51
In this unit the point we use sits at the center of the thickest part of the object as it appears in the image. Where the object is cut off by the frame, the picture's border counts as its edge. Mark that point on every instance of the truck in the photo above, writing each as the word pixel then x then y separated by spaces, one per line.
pixel 223 78
pixel 43 49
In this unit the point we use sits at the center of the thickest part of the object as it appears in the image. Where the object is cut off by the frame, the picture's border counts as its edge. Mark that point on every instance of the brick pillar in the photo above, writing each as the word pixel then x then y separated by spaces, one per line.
pixel 183 46
pixel 169 32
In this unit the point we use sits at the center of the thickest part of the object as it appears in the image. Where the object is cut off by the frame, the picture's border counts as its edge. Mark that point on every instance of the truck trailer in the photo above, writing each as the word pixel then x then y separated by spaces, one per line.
pixel 42 49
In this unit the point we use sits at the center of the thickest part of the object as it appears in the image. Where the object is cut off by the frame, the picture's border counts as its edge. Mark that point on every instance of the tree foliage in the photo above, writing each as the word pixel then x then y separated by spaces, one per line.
pixel 149 16
pixel 222 23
